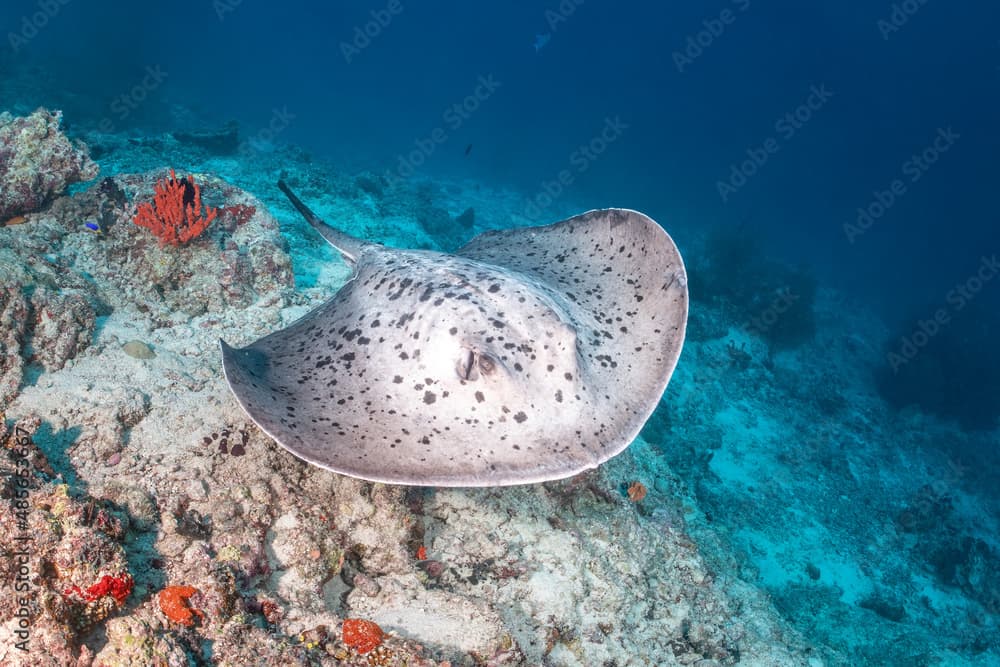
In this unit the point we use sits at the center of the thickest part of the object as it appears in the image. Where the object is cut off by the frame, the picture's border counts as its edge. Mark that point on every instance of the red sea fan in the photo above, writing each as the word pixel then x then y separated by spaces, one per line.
pixel 175 215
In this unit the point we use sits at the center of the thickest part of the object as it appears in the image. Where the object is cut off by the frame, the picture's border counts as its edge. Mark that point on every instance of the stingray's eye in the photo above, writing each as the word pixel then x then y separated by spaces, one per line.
pixel 466 366
pixel 486 364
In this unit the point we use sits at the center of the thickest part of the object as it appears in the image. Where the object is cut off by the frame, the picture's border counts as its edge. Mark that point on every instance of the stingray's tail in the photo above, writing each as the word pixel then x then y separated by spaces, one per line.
pixel 348 246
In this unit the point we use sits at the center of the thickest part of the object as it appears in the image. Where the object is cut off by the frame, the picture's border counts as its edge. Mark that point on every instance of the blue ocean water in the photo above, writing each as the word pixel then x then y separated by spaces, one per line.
pixel 828 170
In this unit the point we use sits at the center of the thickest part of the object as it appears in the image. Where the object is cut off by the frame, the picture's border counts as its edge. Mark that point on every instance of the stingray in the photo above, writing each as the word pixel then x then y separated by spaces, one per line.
pixel 528 355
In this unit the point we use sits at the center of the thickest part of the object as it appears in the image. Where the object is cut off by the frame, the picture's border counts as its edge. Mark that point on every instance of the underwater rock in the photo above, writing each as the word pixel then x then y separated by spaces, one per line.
pixel 49 328
pixel 439 225
pixel 970 564
pixel 132 640
pixel 887 609
pixel 467 218
pixel 227 265
pixel 220 269
pixel 373 184
pixel 63 326
pixel 222 141
pixel 37 162
pixel 70 571
pixel 138 350
pixel 13 323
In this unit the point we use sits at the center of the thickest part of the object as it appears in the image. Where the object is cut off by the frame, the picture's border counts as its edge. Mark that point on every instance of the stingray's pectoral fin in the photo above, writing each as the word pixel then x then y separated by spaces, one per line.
pixel 244 365
pixel 348 246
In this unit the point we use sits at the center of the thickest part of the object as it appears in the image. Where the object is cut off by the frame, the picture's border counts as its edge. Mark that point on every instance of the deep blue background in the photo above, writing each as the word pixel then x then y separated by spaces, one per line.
pixel 686 129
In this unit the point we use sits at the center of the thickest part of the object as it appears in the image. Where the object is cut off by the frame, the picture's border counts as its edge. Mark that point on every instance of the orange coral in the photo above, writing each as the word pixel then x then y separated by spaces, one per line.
pixel 175 606
pixel 636 491
pixel 362 635
pixel 175 216
pixel 421 552
pixel 117 587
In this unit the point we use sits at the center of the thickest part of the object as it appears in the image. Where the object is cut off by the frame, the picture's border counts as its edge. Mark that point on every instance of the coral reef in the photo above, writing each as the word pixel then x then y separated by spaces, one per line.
pixel 636 491
pixel 175 605
pixel 244 259
pixel 13 325
pixel 49 328
pixel 65 569
pixel 175 215
pixel 37 162
pixel 763 519
pixel 361 635
pixel 63 325
pixel 974 566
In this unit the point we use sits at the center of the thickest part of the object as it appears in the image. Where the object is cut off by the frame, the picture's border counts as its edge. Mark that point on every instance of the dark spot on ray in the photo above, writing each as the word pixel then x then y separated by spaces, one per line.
pixel 429 397
pixel 520 417
pixel 398 379
pixel 479 397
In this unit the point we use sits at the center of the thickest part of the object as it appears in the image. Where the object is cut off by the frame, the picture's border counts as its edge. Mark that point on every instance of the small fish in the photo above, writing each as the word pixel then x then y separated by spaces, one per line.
pixel 93 226
pixel 468 149
pixel 541 41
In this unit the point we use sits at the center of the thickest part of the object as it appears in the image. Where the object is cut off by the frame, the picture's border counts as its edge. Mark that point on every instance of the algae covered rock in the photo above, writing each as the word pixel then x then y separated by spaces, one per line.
pixel 239 258
pixel 37 162
pixel 63 326
pixel 49 327
pixel 66 571
pixel 13 323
